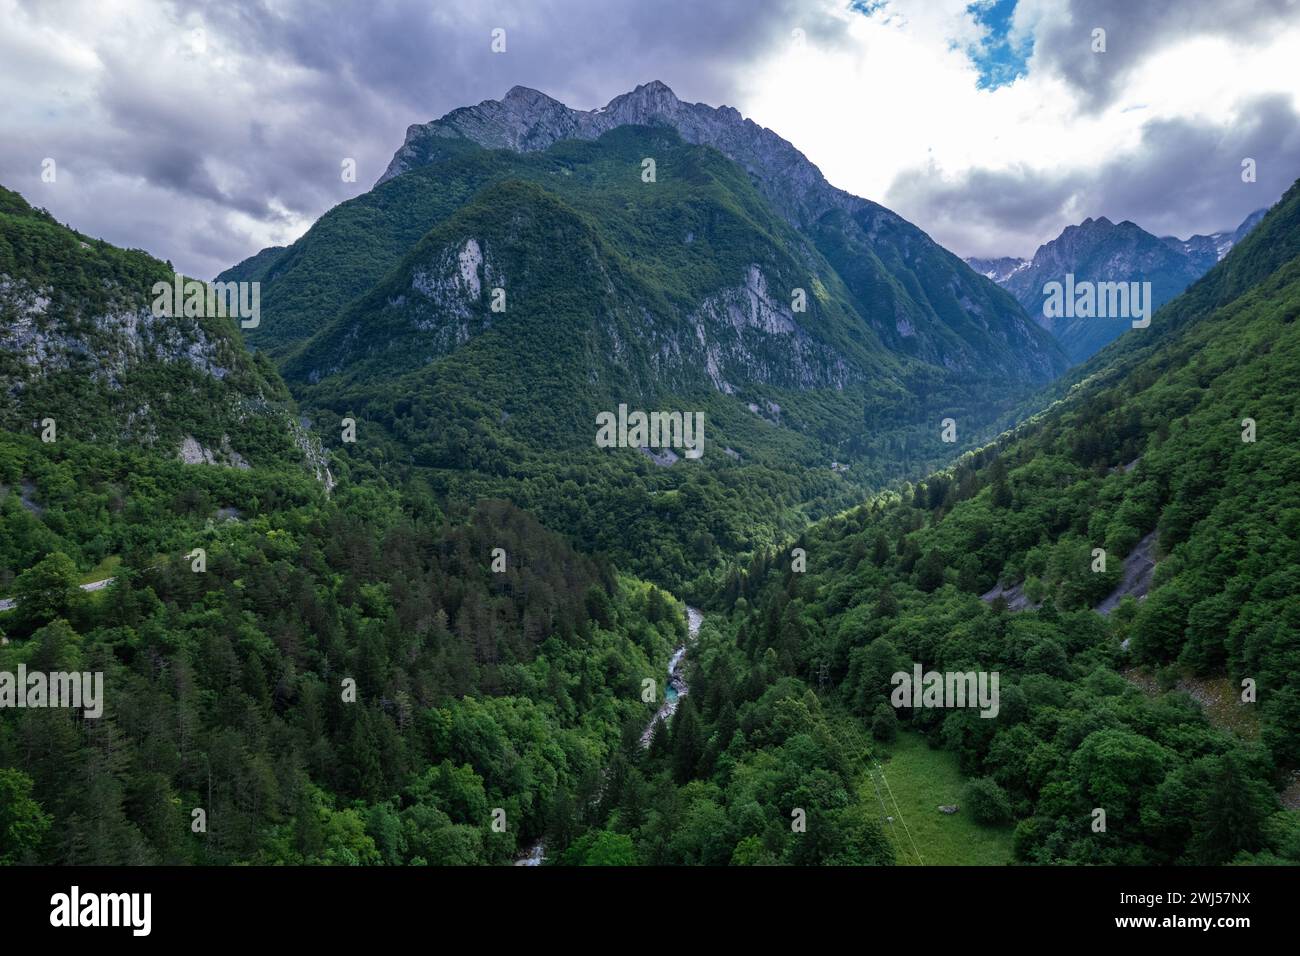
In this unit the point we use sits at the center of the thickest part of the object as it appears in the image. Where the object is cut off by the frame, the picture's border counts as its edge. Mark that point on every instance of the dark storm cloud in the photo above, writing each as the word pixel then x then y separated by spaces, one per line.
pixel 985 212
pixel 202 153
pixel 429 58
pixel 1184 178
pixel 1188 173
pixel 1135 29
pixel 251 126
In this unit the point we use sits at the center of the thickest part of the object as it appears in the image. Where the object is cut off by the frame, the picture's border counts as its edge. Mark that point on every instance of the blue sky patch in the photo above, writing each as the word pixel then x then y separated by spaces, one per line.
pixel 999 60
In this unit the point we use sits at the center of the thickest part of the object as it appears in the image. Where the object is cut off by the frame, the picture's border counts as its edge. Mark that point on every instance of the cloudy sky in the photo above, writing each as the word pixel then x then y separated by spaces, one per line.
pixel 205 131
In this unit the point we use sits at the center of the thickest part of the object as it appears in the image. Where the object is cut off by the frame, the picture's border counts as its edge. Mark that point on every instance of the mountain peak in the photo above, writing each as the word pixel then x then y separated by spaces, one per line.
pixel 1098 250
pixel 529 121
pixel 524 93
pixel 648 101
pixel 656 91
pixel 656 87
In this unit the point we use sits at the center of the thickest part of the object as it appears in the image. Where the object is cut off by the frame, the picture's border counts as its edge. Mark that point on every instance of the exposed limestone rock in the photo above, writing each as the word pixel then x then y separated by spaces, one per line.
pixel 193 453
pixel 1139 569
pixel 121 338
pixel 1015 597
pixel 664 458
pixel 316 456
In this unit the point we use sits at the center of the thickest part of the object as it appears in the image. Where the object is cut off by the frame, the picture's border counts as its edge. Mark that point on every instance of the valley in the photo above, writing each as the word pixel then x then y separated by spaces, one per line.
pixel 430 604
pixel 677 294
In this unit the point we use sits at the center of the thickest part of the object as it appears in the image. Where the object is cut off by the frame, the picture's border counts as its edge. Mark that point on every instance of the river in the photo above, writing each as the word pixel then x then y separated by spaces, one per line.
pixel 677 688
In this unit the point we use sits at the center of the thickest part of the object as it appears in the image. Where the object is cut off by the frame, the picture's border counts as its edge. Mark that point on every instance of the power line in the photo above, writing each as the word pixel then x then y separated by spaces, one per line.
pixel 885 781
pixel 885 811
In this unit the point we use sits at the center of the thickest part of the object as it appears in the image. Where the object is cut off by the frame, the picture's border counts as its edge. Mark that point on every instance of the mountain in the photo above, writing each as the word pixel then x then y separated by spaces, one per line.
pixel 687 289
pixel 999 270
pixel 1098 250
pixel 1121 682
pixel 677 295
pixel 80 344
pixel 1205 251
pixel 913 293
pixel 517 272
pixel 907 287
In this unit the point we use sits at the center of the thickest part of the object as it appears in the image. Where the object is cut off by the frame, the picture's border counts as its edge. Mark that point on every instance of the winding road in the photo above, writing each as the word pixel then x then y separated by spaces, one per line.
pixel 8 604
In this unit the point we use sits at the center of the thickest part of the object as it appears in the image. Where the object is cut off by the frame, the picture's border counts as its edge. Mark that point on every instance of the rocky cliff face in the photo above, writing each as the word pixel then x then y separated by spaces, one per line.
pixel 40 340
pixel 998 270
pixel 1206 251
pixel 80 344
pixel 527 120
pixel 733 330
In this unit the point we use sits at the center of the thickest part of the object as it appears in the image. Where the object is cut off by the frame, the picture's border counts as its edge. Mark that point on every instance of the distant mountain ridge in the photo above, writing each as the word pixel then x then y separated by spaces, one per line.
pixel 1206 251
pixel 1099 250
pixel 1000 269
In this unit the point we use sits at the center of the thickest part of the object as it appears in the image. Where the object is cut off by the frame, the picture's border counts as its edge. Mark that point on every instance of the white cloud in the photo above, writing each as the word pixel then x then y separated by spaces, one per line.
pixel 899 102
pixel 203 156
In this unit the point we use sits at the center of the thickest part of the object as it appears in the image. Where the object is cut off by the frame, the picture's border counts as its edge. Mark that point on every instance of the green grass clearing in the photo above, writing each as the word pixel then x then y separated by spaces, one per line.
pixel 920 780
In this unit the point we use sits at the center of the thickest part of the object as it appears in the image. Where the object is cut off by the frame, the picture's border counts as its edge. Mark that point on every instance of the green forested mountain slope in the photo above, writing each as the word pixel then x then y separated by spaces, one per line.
pixel 255 268
pixel 674 295
pixel 920 299
pixel 79 344
pixel 662 252
pixel 1149 442
pixel 353 246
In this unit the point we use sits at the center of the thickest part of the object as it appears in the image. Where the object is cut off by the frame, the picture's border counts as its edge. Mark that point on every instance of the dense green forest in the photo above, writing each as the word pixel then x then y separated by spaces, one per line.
pixel 79 344
pixel 347 677
pixel 474 689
